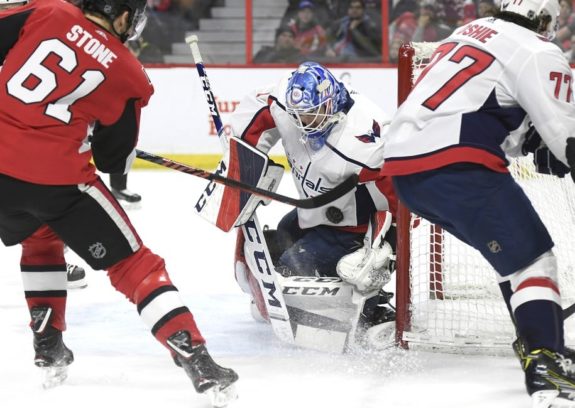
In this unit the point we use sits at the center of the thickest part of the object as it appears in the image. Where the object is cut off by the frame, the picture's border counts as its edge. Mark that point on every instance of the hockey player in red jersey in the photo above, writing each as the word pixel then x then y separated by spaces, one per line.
pixel 66 74
pixel 76 275
pixel 447 152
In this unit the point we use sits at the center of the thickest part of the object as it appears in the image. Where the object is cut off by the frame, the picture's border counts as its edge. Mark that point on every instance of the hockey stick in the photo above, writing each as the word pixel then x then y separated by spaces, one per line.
pixel 192 41
pixel 256 246
pixel 312 202
pixel 568 312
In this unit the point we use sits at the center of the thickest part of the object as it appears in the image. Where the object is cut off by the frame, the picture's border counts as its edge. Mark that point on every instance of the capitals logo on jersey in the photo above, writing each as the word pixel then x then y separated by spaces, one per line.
pixel 370 136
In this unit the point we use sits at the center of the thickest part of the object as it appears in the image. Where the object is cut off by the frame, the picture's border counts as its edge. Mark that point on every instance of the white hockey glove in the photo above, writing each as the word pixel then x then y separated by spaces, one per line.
pixel 367 269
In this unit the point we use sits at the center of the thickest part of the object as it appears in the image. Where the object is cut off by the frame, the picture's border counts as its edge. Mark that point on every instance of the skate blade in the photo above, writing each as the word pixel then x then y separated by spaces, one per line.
pixel 80 284
pixel 130 206
pixel 53 376
pixel 222 397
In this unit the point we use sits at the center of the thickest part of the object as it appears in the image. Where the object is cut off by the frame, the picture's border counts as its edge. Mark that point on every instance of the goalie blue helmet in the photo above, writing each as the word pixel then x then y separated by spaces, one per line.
pixel 111 9
pixel 315 100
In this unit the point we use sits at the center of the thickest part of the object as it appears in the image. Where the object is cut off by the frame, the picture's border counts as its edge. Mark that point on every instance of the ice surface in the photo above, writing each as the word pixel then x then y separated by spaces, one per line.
pixel 119 364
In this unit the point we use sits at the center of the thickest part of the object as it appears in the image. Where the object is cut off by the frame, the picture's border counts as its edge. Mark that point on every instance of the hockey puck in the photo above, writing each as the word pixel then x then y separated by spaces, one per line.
pixel 334 215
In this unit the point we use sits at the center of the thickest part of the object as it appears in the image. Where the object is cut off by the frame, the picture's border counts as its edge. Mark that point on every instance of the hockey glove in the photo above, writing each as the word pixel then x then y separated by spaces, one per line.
pixel 367 269
pixel 532 141
pixel 546 162
pixel 570 153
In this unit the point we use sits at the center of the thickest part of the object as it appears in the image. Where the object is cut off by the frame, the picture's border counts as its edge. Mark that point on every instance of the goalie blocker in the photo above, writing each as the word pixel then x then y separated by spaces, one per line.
pixel 227 207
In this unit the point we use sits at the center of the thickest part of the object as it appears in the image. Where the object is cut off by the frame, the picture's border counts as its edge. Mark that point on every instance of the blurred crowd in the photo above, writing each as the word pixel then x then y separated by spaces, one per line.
pixel 335 31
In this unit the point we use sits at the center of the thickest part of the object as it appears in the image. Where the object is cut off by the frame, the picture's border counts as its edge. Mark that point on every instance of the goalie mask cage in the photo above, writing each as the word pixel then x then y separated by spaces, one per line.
pixel 447 294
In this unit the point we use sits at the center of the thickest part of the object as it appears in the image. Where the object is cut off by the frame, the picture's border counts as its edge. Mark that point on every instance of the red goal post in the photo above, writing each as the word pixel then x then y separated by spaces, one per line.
pixel 447 295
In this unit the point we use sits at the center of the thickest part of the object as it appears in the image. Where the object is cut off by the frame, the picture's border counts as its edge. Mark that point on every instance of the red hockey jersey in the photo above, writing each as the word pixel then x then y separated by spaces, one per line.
pixel 63 76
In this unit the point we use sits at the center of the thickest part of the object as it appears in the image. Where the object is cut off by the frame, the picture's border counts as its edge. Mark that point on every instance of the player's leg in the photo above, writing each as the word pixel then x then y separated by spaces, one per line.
pixel 44 277
pixel 318 251
pixel 43 271
pixel 97 228
pixel 489 211
pixel 247 282
pixel 119 187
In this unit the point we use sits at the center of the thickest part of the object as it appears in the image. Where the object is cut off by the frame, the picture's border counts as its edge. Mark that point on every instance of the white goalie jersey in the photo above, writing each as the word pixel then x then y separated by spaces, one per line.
pixel 354 146
pixel 490 79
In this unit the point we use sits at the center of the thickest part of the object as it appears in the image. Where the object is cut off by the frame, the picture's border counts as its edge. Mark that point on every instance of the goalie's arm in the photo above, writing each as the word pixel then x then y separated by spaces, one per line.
pixel 253 122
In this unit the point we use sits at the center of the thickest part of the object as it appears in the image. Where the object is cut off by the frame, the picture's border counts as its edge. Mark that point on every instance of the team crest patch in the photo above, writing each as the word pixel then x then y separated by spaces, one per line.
pixel 370 136
pixel 97 250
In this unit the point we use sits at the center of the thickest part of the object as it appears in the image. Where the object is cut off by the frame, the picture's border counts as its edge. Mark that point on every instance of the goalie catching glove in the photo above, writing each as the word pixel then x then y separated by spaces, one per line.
pixel 369 268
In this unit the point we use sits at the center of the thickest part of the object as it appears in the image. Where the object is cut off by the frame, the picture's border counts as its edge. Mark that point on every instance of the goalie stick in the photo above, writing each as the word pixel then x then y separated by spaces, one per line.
pixel 312 202
pixel 256 247
pixel 192 41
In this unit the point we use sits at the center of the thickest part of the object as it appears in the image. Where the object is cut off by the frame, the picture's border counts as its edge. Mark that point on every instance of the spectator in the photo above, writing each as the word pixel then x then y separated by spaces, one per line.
pixel 570 54
pixel 325 11
pixel 469 12
pixel 430 27
pixel 402 6
pixel 401 31
pixel 450 12
pixel 310 36
pixel 566 21
pixel 283 51
pixel 170 20
pixel 356 36
pixel 486 8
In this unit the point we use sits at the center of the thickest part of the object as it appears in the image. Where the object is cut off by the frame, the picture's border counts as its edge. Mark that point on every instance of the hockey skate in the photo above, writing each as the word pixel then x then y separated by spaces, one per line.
pixel 76 277
pixel 379 329
pixel 127 198
pixel 52 355
pixel 550 379
pixel 207 376
pixel 520 350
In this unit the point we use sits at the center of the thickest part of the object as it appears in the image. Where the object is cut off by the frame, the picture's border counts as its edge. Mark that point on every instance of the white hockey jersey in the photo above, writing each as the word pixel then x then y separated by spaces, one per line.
pixel 354 146
pixel 474 100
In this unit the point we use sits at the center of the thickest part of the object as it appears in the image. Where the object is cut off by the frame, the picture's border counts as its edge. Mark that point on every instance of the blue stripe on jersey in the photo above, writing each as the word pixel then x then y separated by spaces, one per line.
pixel 490 125
pixel 343 156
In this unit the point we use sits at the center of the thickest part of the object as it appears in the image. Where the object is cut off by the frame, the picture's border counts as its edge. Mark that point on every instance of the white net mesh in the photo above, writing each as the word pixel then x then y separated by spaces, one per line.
pixel 455 300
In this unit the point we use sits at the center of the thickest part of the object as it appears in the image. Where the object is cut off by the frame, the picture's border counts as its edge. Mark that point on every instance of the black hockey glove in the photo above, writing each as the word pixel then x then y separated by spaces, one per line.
pixel 546 162
pixel 570 153
pixel 532 141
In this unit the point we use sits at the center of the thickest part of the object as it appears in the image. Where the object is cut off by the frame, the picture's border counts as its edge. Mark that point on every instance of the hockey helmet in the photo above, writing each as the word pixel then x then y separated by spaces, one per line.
pixel 314 101
pixel 111 9
pixel 546 11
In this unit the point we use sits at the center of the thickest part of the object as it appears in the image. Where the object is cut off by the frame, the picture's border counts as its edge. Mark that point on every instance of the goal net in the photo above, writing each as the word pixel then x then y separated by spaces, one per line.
pixel 447 294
